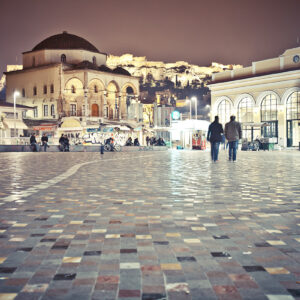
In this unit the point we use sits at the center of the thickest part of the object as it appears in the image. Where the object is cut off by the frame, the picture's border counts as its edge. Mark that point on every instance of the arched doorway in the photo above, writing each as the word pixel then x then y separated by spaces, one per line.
pixel 95 110
pixel 268 112
pixel 292 119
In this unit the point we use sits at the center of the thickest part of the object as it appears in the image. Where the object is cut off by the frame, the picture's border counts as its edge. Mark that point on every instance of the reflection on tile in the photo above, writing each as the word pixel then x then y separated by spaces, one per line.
pixel 280 270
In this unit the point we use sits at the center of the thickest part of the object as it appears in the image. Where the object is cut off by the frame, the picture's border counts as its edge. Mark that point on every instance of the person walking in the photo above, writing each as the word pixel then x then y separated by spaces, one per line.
pixel 44 140
pixel 233 133
pixel 214 136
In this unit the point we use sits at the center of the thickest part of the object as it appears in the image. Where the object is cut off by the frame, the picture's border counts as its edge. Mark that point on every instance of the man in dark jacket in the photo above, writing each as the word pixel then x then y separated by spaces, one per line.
pixel 214 136
pixel 44 140
pixel 233 133
pixel 33 143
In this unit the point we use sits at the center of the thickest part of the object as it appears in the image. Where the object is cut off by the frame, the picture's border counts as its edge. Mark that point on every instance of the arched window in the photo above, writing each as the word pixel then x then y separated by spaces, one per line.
pixel 293 106
pixel 129 95
pixel 45 89
pixel 34 91
pixel 94 60
pixel 52 110
pixel 63 58
pixel 269 115
pixel 269 108
pixel 245 110
pixel 73 89
pixel 224 111
pixel 95 89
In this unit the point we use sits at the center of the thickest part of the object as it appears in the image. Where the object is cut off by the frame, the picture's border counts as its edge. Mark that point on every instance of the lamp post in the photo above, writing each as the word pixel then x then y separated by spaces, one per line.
pixel 16 94
pixel 190 108
pixel 195 99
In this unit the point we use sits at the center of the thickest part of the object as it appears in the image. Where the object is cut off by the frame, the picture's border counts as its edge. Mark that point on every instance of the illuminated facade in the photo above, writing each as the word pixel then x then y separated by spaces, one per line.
pixel 65 76
pixel 265 97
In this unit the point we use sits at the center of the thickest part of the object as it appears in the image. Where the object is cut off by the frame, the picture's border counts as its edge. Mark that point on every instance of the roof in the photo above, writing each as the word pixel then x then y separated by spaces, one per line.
pixel 121 71
pixel 253 75
pixel 86 65
pixel 35 122
pixel 65 41
pixel 8 104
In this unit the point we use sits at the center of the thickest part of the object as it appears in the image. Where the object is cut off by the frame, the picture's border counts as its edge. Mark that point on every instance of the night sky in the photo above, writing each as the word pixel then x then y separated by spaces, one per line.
pixel 196 31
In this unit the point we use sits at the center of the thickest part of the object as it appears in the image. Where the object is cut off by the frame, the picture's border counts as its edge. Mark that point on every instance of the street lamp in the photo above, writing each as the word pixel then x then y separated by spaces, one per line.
pixel 190 108
pixel 16 94
pixel 195 99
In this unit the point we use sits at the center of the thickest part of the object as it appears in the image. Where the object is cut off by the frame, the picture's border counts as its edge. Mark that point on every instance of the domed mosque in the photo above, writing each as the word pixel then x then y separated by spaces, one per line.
pixel 64 74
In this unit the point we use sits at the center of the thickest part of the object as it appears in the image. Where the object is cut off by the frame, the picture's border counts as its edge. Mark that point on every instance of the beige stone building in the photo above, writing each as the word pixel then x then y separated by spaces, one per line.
pixel 265 98
pixel 65 74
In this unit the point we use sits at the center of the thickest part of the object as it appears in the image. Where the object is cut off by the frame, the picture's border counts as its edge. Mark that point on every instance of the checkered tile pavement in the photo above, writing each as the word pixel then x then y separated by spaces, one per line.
pixel 149 225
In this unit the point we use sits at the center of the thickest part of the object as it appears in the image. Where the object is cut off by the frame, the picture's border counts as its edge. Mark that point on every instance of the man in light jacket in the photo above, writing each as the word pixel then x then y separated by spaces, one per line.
pixel 233 132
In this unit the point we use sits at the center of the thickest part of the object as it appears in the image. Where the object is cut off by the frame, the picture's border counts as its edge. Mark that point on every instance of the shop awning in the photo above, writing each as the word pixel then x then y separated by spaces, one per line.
pixel 71 124
pixel 10 123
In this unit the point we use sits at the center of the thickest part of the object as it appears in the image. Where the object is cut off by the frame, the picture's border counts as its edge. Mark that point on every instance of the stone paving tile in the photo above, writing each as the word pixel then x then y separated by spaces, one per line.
pixel 166 225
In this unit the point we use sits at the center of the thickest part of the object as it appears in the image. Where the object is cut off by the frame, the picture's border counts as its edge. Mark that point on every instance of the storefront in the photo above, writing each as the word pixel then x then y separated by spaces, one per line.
pixel 189 134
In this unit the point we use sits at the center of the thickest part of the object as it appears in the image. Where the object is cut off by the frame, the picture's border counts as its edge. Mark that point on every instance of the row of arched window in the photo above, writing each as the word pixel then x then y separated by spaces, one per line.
pixel 34 90
pixel 268 109
pixel 63 59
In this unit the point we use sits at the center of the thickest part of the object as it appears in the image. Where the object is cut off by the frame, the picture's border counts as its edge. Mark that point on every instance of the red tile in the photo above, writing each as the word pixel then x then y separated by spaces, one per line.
pixel 129 293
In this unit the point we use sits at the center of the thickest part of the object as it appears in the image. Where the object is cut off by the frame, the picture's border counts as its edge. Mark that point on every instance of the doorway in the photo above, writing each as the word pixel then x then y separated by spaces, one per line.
pixel 95 110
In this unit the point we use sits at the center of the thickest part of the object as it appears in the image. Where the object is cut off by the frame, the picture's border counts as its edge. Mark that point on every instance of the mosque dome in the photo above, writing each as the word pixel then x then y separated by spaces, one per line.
pixel 65 41
pixel 121 71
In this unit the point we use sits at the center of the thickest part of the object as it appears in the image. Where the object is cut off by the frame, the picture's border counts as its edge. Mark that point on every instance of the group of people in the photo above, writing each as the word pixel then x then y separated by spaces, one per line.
pixel 155 142
pixel 216 135
pixel 64 143
pixel 35 145
pixel 134 143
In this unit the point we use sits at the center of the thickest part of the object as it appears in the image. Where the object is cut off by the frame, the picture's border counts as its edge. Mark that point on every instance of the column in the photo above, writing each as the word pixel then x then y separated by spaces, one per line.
pixel 119 106
pixel 104 107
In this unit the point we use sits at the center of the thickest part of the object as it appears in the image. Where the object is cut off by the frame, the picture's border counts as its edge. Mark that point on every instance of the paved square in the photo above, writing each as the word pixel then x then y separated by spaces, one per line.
pixel 149 225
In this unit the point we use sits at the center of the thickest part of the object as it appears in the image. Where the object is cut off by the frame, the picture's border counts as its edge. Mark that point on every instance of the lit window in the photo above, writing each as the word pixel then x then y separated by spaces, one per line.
pixel 224 111
pixel 35 112
pixel 269 115
pixel 52 110
pixel 269 108
pixel 293 107
pixel 73 109
pixel 45 110
pixel 245 110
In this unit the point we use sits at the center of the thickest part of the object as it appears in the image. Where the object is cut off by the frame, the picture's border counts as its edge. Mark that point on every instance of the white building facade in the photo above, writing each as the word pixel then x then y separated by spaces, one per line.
pixel 265 97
